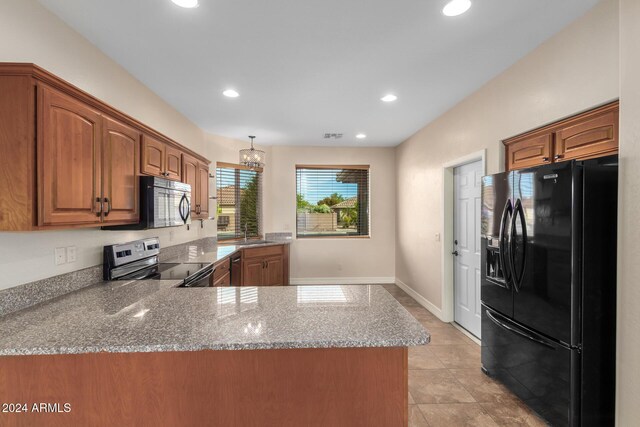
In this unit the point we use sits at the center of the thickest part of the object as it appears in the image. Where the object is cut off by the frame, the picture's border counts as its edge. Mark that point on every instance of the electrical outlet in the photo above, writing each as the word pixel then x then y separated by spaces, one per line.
pixel 60 256
pixel 71 254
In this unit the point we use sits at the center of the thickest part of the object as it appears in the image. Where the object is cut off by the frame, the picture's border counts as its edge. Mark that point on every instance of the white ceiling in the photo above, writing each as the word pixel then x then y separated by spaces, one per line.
pixel 306 67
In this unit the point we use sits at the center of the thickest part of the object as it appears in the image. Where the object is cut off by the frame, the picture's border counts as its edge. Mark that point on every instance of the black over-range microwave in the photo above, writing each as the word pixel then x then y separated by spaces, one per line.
pixel 163 203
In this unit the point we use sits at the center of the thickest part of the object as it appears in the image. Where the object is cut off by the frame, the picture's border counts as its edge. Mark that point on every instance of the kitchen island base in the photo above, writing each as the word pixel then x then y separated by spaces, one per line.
pixel 275 387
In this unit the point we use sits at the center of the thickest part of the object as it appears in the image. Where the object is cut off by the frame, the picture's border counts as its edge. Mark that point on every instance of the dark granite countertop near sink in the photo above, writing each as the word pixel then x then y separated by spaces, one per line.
pixel 153 316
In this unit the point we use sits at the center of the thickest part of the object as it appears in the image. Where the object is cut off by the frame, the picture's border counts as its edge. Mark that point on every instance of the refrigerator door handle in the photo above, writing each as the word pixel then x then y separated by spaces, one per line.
pixel 517 211
pixel 518 331
pixel 502 247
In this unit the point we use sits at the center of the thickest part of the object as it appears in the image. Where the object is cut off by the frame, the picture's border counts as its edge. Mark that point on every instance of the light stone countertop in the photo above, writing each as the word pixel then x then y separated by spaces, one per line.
pixel 154 316
pixel 217 251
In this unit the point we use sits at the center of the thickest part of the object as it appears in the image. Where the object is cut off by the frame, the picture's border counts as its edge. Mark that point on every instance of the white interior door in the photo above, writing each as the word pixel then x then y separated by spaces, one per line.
pixel 466 248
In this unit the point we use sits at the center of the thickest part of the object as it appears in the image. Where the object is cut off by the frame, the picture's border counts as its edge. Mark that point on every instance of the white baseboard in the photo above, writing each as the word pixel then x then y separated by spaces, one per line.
pixel 342 280
pixel 420 299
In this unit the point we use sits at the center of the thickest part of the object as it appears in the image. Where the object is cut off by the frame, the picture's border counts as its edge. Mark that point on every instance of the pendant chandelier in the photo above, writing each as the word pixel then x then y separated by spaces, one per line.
pixel 251 157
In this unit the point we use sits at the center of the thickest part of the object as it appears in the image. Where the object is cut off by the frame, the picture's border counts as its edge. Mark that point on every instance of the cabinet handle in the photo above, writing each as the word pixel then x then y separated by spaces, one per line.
pixel 99 212
pixel 545 159
pixel 558 156
pixel 108 202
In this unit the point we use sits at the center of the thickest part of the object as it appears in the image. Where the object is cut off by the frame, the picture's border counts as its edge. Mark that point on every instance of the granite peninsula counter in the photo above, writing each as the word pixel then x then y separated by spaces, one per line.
pixel 149 353
pixel 155 316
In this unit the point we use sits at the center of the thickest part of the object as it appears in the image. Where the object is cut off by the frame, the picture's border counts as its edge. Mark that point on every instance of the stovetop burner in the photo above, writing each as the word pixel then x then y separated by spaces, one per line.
pixel 167 271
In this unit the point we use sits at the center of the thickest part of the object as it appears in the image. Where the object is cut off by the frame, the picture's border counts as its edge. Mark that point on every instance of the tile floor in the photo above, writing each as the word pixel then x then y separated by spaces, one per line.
pixel 446 386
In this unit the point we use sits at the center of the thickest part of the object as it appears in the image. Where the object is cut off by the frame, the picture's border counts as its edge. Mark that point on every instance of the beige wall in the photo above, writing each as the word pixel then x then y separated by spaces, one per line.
pixel 335 258
pixel 628 364
pixel 30 33
pixel 573 71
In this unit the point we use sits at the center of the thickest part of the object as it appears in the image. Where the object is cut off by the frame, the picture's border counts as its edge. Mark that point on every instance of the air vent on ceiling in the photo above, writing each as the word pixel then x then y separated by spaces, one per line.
pixel 332 135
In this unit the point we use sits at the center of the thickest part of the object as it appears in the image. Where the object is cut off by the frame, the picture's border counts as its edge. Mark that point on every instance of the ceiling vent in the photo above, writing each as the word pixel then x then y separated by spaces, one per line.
pixel 332 135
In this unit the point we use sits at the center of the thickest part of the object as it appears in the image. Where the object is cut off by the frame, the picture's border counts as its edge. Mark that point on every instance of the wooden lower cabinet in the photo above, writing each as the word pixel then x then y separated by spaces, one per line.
pixel 265 266
pixel 274 271
pixel 253 272
pixel 222 273
pixel 279 387
pixel 587 135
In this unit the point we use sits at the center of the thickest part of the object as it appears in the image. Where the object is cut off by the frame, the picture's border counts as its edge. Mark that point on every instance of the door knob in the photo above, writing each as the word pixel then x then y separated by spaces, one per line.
pixel 454 253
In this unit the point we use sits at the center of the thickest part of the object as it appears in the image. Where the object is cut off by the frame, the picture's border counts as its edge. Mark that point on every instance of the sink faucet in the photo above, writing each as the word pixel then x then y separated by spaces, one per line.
pixel 245 231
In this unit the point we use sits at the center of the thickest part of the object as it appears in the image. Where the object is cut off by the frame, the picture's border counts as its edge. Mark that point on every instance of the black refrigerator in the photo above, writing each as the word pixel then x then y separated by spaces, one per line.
pixel 548 287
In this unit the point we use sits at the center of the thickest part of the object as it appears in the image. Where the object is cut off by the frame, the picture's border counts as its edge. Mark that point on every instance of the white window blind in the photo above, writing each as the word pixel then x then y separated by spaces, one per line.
pixel 239 201
pixel 332 201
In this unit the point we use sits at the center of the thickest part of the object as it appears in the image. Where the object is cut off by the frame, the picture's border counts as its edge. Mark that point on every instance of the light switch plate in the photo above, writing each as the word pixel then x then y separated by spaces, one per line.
pixel 71 254
pixel 60 256
pixel 437 237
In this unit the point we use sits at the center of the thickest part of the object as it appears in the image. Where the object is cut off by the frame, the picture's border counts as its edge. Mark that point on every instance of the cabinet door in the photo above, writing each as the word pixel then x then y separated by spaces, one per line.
pixel 529 151
pixel 594 135
pixel 190 176
pixel 252 272
pixel 173 163
pixel 203 190
pixel 69 160
pixel 120 184
pixel 153 157
pixel 273 272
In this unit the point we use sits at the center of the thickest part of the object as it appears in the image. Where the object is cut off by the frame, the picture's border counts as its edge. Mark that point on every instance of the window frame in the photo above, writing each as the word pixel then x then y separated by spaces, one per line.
pixel 227 165
pixel 334 166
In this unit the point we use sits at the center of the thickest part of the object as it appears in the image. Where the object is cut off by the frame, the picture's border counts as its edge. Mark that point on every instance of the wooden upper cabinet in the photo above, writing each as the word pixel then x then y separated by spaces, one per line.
pixel 153 156
pixel 196 174
pixel 120 160
pixel 69 170
pixel 589 136
pixel 529 151
pixel 68 160
pixel 173 163
pixel 190 176
pixel 203 190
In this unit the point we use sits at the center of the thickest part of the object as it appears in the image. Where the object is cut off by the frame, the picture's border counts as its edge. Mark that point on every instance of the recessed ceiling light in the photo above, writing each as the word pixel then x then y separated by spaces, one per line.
pixel 186 3
pixel 361 136
pixel 230 93
pixel 456 7
pixel 389 98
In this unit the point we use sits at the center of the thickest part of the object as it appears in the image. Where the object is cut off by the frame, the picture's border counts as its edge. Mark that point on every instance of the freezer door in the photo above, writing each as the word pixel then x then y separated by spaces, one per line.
pixel 497 207
pixel 536 369
pixel 540 249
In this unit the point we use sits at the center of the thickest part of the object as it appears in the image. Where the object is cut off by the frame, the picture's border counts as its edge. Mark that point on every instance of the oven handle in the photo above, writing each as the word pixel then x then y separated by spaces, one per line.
pixel 200 276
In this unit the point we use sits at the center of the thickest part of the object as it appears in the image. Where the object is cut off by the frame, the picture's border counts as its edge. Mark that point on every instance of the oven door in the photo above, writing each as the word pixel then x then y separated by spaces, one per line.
pixel 171 208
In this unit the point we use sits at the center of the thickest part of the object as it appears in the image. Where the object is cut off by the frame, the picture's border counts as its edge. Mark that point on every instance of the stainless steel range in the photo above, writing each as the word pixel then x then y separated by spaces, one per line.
pixel 139 260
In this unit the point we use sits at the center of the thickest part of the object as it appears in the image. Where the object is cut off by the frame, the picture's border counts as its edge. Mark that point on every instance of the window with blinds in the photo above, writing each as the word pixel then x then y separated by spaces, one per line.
pixel 332 201
pixel 239 197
